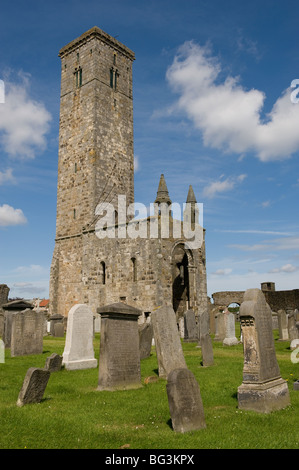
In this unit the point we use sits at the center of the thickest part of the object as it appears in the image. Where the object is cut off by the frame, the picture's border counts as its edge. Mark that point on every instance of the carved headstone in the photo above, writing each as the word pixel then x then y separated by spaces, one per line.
pixel 27 333
pixel 53 363
pixel 34 386
pixel 263 390
pixel 184 399
pixel 167 341
pixel 78 351
pixel 145 340
pixel 230 329
pixel 190 327
pixel 207 350
pixel 10 309
pixel 119 364
pixel 220 327
pixel 283 325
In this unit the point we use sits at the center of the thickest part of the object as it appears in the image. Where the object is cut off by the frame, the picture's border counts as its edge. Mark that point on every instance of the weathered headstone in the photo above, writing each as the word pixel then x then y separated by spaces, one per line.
pixel 263 389
pixel 10 309
pixel 283 325
pixel 207 350
pixel 185 403
pixel 34 386
pixel 296 386
pixel 119 363
pixel 274 321
pixel 167 341
pixel 55 318
pixel 2 351
pixel 145 340
pixel 27 333
pixel 220 327
pixel 230 329
pixel 53 363
pixel 58 330
pixel 78 351
pixel 293 330
pixel 190 327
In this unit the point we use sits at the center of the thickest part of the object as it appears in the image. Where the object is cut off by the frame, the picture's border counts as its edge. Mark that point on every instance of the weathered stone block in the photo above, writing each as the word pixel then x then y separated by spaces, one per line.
pixel 34 386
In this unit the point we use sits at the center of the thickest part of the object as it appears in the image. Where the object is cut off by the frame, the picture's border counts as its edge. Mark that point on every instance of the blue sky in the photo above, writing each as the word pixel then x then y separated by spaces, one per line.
pixel 212 108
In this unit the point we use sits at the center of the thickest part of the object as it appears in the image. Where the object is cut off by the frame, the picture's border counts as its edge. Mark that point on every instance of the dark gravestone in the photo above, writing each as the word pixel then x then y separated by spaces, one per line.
pixel 54 319
pixel 185 403
pixel 10 308
pixel 263 390
pixel 145 340
pixel 119 363
pixel 296 385
pixel 53 363
pixel 190 327
pixel 27 333
pixel 207 350
pixel 34 386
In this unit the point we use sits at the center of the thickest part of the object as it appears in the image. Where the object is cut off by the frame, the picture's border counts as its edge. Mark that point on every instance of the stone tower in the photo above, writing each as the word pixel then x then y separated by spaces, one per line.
pixel 96 158
pixel 96 165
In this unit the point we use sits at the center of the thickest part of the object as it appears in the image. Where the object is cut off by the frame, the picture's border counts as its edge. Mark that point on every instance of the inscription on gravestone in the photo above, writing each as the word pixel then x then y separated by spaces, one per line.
pixel 263 389
pixel 27 333
pixel 119 363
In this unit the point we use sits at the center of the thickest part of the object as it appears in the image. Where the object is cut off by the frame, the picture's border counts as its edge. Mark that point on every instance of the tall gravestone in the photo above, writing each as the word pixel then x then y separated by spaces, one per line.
pixel 119 363
pixel 230 329
pixel 190 327
pixel 27 333
pixel 167 341
pixel 293 330
pixel 10 309
pixel 145 339
pixel 283 325
pixel 78 351
pixel 184 400
pixel 263 389
pixel 220 327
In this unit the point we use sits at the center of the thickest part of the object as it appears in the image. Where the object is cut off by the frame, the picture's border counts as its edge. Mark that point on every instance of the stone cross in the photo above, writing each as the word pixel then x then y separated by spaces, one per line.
pixel 263 390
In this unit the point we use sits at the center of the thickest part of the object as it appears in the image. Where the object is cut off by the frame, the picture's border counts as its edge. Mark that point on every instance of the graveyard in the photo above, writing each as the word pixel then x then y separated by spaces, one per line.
pixel 73 414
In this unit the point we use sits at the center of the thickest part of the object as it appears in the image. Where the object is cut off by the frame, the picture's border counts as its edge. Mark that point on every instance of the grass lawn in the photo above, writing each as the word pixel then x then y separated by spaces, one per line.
pixel 74 415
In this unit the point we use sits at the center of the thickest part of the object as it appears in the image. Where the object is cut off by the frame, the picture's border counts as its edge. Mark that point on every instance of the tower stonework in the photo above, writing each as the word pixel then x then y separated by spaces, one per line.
pixel 96 165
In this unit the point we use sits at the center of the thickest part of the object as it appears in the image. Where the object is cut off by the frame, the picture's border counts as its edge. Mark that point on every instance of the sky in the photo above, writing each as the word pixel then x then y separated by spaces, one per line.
pixel 215 106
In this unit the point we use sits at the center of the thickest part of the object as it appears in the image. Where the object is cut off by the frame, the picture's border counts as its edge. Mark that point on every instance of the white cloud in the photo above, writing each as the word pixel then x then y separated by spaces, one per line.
pixel 24 122
pixel 287 268
pixel 222 272
pixel 11 216
pixel 222 186
pixel 228 115
pixel 7 177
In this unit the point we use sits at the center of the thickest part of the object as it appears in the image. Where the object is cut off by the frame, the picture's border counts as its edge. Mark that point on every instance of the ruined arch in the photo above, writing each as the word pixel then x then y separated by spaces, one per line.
pixel 182 278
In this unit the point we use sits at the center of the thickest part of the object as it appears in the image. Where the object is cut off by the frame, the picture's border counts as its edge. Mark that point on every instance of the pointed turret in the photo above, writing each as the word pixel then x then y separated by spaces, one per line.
pixel 191 210
pixel 191 196
pixel 162 193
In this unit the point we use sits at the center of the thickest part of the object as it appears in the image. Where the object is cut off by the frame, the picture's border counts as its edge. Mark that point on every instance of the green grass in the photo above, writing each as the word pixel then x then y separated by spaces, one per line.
pixel 74 415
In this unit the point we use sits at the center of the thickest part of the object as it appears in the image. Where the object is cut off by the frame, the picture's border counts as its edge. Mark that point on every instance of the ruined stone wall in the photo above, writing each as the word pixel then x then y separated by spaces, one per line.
pixel 4 291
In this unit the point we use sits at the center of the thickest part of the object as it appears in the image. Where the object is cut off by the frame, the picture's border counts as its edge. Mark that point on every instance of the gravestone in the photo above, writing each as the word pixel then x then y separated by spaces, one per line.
pixel 2 351
pixel 274 321
pixel 78 350
pixel 55 318
pixel 53 363
pixel 34 386
pixel 207 350
pixel 119 363
pixel 10 308
pixel 1 323
pixel 293 330
pixel 296 386
pixel 27 333
pixel 263 390
pixel 167 341
pixel 190 327
pixel 58 330
pixel 220 327
pixel 184 400
pixel 283 325
pixel 230 329
pixel 145 340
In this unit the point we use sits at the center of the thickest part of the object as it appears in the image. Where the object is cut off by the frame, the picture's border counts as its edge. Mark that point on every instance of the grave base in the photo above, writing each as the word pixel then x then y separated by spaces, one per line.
pixel 81 364
pixel 264 397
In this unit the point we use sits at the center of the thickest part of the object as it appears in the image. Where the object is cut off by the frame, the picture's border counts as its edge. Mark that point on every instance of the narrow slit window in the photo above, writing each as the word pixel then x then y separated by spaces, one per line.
pixel 134 269
pixel 103 272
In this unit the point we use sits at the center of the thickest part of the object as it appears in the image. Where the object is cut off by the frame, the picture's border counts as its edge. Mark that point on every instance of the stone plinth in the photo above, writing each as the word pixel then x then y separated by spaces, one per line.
pixel 263 390
pixel 119 363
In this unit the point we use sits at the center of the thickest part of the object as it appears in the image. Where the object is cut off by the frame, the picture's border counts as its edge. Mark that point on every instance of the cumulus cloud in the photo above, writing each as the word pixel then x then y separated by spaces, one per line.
pixel 24 121
pixel 287 268
pixel 222 272
pixel 11 216
pixel 229 116
pixel 217 187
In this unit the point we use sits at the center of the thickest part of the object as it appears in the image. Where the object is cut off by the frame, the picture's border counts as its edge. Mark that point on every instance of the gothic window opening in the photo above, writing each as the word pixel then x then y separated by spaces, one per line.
pixel 78 77
pixel 103 272
pixel 134 269
pixel 113 78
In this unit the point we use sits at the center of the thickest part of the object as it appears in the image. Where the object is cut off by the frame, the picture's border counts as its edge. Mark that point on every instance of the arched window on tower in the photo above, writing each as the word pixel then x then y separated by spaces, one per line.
pixel 103 272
